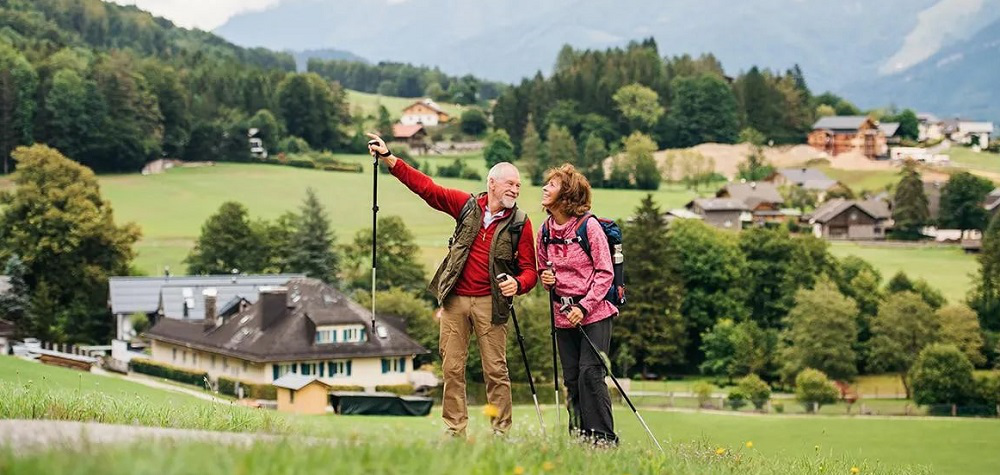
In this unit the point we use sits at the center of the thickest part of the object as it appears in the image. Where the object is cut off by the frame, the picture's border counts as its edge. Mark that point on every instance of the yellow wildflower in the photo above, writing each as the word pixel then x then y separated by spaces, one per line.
pixel 518 470
pixel 749 444
pixel 720 451
pixel 855 470
pixel 491 411
pixel 548 466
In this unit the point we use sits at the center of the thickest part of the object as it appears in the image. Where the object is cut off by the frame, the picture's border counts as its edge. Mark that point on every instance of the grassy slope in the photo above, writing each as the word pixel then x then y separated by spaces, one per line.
pixel 171 207
pixel 966 158
pixel 369 103
pixel 945 268
pixel 781 444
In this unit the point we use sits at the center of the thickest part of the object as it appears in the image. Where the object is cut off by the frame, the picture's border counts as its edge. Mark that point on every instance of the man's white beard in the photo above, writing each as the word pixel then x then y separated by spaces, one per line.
pixel 507 202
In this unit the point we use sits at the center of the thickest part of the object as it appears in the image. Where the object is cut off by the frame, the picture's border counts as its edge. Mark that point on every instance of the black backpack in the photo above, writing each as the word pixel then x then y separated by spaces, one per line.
pixel 616 294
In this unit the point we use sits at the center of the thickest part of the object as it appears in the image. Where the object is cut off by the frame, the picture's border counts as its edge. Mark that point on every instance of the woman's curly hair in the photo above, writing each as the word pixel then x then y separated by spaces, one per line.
pixel 574 194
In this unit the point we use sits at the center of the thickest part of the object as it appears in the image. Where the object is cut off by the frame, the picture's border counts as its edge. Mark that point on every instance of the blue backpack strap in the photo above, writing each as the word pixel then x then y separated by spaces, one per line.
pixel 581 232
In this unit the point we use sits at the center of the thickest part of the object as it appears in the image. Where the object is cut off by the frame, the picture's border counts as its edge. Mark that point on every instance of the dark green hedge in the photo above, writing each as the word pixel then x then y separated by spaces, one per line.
pixel 186 376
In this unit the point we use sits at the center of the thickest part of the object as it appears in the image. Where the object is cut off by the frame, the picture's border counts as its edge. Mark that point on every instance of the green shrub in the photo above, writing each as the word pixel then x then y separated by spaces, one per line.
pixel 302 163
pixel 813 389
pixel 755 389
pixel 737 399
pixel 293 144
pixel 397 389
pixel 347 388
pixel 174 373
pixel 470 174
pixel 342 167
pixel 778 407
pixel 942 374
pixel 703 391
pixel 250 390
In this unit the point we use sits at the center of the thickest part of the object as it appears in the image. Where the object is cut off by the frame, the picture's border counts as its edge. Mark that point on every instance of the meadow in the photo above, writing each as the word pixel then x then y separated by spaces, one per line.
pixel 946 268
pixel 695 442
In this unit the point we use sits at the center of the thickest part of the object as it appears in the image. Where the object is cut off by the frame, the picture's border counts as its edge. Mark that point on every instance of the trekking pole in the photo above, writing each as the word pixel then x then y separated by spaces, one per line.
pixel 524 356
pixel 604 363
pixel 375 156
pixel 555 354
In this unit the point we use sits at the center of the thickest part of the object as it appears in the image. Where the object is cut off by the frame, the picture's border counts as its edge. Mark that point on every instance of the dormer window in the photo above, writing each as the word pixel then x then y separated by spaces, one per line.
pixel 341 334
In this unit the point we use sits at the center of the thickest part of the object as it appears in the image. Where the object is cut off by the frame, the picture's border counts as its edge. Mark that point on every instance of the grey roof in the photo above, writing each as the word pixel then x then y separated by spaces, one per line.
pixel 840 122
pixel 4 283
pixel 808 178
pixel 719 204
pixel 888 128
pixel 311 303
pixel 928 118
pixel 829 210
pixel 145 294
pixel 992 199
pixel 752 193
pixel 295 381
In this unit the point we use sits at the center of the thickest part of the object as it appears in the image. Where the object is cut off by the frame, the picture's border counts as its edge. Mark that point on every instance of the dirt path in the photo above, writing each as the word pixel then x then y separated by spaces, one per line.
pixel 155 383
pixel 30 435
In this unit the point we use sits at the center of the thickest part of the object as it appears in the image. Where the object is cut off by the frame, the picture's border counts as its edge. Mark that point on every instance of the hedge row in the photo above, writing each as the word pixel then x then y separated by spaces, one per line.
pixel 250 390
pixel 397 389
pixel 174 373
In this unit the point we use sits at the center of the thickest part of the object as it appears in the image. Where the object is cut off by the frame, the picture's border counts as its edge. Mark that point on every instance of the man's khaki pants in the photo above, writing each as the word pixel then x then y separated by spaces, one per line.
pixel 461 316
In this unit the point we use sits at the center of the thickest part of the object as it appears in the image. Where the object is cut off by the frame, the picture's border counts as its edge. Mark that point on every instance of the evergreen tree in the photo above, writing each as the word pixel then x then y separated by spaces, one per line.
pixel 652 325
pixel 15 303
pixel 592 161
pixel 18 82
pixel 560 147
pixel 910 212
pixel 312 250
pixel 532 154
pixel 383 123
pixel 985 296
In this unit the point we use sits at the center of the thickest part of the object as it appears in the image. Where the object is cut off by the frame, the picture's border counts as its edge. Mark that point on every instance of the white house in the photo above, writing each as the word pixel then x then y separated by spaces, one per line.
pixel 304 327
pixel 424 112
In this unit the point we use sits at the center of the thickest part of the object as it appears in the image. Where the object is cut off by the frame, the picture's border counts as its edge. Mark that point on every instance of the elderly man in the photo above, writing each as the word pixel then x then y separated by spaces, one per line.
pixel 491 237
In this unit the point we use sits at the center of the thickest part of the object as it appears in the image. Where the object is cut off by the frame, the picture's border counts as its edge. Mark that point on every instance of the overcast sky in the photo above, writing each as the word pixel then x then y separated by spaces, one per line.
pixel 204 14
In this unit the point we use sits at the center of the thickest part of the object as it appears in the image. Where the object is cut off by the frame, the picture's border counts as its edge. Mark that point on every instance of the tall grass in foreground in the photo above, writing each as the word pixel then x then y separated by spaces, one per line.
pixel 35 400
pixel 422 456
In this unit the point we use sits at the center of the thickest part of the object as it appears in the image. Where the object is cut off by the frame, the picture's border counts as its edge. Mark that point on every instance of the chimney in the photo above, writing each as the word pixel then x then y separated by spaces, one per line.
pixel 273 305
pixel 210 308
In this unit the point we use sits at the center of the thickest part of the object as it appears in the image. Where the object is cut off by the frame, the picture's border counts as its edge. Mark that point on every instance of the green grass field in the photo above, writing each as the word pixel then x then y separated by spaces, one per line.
pixel 171 207
pixel 966 158
pixel 945 268
pixel 863 180
pixel 780 444
pixel 368 103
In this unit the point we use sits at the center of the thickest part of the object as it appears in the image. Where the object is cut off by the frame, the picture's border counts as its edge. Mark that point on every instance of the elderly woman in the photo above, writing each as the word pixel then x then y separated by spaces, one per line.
pixel 579 283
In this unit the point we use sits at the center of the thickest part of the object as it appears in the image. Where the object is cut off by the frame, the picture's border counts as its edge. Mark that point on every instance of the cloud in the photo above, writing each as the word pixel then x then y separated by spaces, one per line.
pixel 204 14
pixel 934 25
